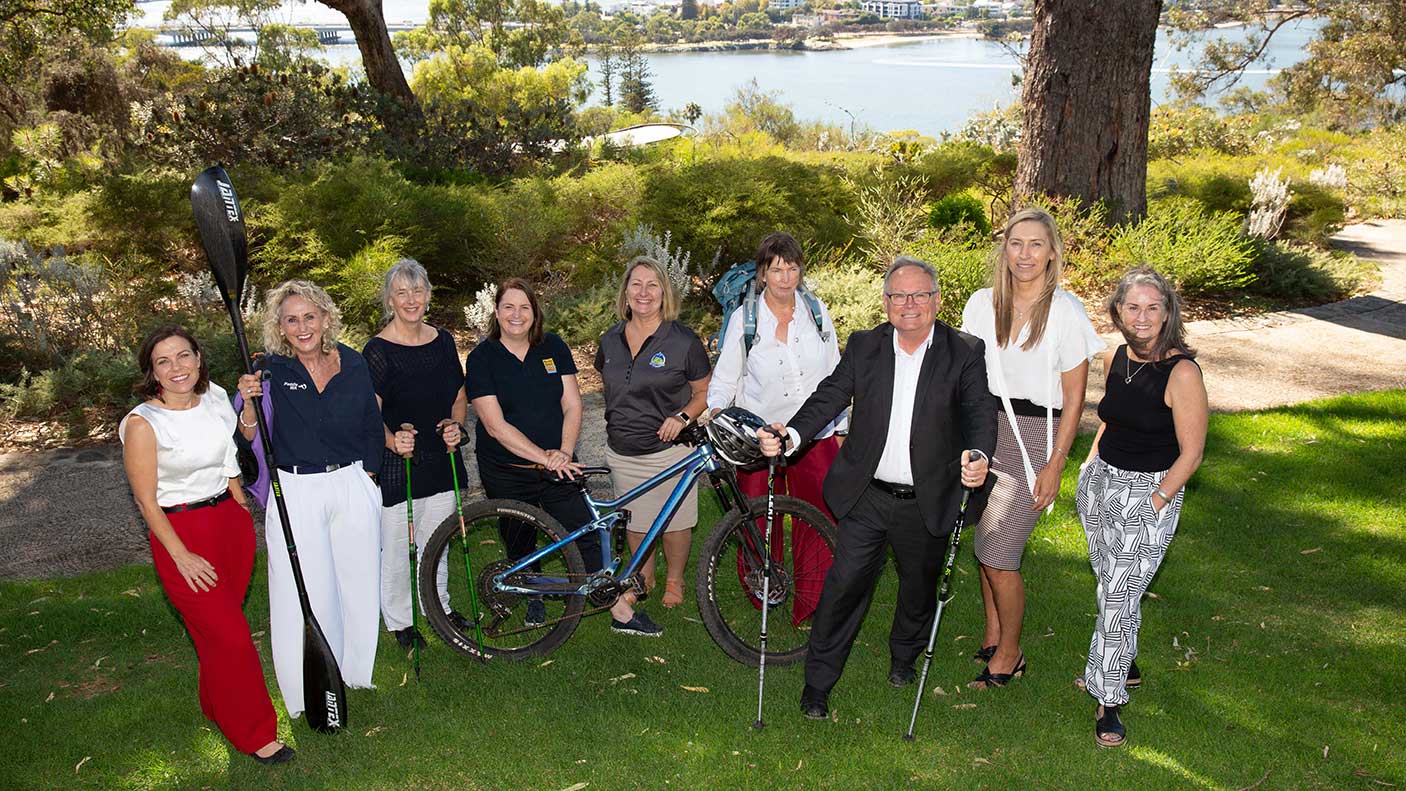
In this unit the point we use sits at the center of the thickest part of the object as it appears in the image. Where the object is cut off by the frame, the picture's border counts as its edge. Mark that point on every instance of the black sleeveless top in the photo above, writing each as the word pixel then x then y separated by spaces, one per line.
pixel 1140 435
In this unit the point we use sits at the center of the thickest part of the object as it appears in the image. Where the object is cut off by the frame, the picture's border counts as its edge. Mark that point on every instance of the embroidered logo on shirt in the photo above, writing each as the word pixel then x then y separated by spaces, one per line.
pixel 295 385
pixel 658 360
pixel 550 365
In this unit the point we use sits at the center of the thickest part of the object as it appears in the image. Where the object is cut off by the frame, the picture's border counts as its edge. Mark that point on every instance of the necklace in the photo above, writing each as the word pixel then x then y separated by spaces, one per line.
pixel 1127 380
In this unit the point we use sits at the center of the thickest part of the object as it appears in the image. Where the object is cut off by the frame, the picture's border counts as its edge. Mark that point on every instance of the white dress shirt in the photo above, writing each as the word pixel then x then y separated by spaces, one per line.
pixel 779 376
pixel 896 465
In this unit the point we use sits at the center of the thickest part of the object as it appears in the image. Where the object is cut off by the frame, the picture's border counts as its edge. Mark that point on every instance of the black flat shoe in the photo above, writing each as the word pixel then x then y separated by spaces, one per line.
pixel 901 674
pixel 815 704
pixel 984 654
pixel 1108 729
pixel 999 679
pixel 408 636
pixel 283 756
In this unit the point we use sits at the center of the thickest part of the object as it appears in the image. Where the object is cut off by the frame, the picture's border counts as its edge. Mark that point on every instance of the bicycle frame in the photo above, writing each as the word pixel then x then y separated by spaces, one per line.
pixel 605 513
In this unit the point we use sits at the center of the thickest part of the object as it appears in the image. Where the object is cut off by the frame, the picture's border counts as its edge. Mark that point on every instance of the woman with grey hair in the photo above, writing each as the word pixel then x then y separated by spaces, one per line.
pixel 327 438
pixel 418 380
pixel 1150 439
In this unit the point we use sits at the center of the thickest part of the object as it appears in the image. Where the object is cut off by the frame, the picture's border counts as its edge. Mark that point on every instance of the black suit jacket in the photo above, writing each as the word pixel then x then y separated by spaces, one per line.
pixel 951 412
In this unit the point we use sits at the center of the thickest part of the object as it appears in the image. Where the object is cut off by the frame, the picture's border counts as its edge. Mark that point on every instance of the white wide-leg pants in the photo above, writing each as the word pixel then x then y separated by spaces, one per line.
pixel 335 517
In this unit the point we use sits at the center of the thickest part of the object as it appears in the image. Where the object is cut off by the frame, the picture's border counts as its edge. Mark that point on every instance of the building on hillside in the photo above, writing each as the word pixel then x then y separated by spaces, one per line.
pixel 807 20
pixel 893 9
pixel 837 15
pixel 784 5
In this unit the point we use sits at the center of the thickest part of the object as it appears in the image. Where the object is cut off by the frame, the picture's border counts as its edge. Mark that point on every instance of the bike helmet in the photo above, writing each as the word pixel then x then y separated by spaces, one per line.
pixel 733 433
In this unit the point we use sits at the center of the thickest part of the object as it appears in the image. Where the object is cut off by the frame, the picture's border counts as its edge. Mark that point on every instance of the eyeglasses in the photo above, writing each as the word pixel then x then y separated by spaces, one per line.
pixel 917 297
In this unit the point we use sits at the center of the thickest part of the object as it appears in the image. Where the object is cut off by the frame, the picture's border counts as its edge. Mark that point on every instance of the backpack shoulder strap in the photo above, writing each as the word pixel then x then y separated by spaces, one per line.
pixel 749 321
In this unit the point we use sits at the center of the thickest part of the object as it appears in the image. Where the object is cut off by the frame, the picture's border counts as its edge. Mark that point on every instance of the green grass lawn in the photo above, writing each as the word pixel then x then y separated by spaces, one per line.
pixel 1272 644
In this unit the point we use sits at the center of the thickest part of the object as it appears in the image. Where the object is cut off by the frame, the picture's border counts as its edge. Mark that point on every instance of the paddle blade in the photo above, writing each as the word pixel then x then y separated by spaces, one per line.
pixel 324 694
pixel 221 225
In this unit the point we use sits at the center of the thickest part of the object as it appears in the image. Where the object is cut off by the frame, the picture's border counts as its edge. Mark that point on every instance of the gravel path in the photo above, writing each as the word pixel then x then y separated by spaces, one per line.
pixel 67 512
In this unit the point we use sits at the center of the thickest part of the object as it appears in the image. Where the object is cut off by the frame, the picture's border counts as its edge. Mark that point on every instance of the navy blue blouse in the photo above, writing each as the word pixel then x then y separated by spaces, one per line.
pixel 340 425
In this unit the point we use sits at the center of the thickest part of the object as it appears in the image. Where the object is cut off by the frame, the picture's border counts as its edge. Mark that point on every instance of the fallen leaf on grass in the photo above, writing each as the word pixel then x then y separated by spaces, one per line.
pixel 50 698
pixel 1153 596
pixel 85 760
pixel 692 689
pixel 375 730
pixel 658 660
pixel 1359 772
pixel 133 592
pixel 964 705
pixel 100 661
pixel 1265 588
pixel 404 678
pixel 1217 617
pixel 959 638
pixel 938 691
pixel 1310 551
pixel 1325 752
pixel 576 787
pixel 487 542
pixel 981 761
pixel 1049 632
pixel 798 765
pixel 618 679
pixel 548 662
pixel 691 620
pixel 41 648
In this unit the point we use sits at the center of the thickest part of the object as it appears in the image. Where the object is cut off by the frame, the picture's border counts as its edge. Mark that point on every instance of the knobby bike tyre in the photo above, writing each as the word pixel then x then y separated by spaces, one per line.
pixel 729 589
pixel 506 633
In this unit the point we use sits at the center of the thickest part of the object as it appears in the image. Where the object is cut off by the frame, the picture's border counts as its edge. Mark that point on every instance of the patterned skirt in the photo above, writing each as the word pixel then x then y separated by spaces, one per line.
pixel 1010 513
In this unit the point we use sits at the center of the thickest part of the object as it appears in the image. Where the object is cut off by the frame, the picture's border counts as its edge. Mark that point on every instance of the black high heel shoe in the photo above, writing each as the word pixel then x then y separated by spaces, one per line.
pixel 984 654
pixel 1000 679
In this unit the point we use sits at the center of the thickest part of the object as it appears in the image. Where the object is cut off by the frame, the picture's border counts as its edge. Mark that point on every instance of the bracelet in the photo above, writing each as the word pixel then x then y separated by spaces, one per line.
pixel 255 424
pixel 1158 491
pixel 1061 451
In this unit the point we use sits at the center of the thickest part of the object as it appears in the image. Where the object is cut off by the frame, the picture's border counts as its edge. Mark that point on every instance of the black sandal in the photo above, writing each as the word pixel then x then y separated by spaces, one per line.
pixel 984 654
pixel 1108 729
pixel 1000 679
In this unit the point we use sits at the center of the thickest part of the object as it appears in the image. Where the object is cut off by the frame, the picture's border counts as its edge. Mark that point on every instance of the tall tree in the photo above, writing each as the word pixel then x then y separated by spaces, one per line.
pixel 28 26
pixel 367 21
pixel 1086 96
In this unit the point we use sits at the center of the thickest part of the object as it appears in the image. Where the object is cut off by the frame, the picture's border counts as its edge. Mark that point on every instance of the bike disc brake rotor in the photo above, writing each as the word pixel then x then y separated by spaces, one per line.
pixel 777 592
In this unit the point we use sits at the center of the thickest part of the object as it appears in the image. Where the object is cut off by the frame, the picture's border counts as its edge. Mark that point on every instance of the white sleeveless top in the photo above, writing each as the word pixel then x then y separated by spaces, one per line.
pixel 195 450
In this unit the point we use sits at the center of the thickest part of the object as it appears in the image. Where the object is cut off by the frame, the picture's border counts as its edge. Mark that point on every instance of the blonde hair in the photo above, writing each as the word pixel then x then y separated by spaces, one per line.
pixel 1003 282
pixel 274 340
pixel 669 307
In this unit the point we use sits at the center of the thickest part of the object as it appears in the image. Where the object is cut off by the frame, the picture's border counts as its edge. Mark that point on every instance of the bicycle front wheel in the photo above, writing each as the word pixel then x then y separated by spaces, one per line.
pixel 517 626
pixel 730 579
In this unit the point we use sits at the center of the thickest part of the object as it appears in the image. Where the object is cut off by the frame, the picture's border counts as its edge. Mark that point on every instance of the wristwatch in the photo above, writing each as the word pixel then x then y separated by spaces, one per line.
pixel 682 415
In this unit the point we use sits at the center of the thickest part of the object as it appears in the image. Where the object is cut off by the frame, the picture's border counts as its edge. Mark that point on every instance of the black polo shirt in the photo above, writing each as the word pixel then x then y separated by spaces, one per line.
pixel 340 425
pixel 640 392
pixel 528 391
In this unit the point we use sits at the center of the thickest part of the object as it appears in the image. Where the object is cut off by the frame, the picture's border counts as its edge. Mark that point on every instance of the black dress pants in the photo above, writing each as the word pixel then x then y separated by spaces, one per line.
pixel 879 520
pixel 540 488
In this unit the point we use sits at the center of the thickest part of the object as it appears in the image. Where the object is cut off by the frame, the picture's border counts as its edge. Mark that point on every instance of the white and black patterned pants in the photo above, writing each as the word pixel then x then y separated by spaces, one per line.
pixel 1127 540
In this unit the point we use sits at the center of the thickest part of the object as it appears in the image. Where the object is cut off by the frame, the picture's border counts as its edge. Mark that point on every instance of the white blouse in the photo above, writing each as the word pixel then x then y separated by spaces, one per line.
pixel 1034 374
pixel 195 450
pixel 779 377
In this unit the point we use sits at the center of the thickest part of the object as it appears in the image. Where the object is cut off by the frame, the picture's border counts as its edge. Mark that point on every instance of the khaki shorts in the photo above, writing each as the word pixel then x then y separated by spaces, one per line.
pixel 627 472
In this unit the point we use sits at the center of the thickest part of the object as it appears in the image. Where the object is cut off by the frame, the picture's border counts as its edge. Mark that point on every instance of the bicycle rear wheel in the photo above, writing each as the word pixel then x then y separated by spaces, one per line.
pixel 730 580
pixel 515 626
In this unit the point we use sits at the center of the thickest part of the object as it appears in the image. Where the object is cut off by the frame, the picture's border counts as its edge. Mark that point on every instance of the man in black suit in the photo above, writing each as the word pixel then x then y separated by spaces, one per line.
pixel 920 402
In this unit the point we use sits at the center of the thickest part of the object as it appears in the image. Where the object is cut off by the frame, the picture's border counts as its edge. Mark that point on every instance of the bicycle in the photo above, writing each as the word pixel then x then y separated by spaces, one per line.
pixel 729 576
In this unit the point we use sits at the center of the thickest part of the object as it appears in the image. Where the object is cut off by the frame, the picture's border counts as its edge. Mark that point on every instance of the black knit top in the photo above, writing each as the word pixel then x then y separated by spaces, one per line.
pixel 1140 435
pixel 417 385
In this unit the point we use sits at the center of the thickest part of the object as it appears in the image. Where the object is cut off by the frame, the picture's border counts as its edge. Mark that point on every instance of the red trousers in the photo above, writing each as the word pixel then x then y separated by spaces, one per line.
pixel 233 694
pixel 803 476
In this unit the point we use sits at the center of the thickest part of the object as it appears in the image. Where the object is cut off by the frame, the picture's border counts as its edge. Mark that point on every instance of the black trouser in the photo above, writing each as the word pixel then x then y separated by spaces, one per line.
pixel 877 521
pixel 538 487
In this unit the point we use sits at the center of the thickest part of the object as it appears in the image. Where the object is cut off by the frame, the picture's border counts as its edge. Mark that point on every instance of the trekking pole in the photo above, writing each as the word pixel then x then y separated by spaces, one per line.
pixel 468 570
pixel 771 465
pixel 414 595
pixel 943 595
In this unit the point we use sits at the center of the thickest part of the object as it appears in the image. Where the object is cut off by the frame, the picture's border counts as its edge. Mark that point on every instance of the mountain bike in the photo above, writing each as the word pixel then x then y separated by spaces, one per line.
pixel 729 575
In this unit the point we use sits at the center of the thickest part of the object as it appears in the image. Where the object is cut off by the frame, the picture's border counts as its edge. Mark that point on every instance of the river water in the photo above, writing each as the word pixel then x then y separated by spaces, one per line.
pixel 931 86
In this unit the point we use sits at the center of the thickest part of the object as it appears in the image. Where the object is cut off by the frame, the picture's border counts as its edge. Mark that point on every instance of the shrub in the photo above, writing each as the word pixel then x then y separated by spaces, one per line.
pixel 356 285
pixel 851 291
pixel 1304 274
pixel 962 210
pixel 1178 130
pixel 1200 251
pixel 962 266
pixel 954 166
pixel 599 207
pixel 582 316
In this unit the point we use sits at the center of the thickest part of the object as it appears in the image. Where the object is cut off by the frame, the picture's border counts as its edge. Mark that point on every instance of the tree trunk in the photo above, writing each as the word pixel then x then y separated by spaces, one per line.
pixel 383 71
pixel 1087 101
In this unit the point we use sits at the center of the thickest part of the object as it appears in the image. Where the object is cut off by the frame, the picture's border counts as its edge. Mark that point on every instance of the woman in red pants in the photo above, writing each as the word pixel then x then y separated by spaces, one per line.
pixel 179 452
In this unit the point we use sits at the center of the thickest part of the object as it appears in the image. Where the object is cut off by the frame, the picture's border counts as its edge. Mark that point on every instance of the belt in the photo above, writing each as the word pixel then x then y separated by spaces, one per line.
pixel 310 469
pixel 898 491
pixel 216 500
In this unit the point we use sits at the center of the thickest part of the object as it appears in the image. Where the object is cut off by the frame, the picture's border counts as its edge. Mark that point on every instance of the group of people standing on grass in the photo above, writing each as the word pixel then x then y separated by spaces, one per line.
pixel 882 437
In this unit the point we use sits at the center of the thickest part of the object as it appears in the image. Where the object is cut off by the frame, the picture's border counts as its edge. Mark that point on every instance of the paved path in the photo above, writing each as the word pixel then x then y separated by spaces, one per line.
pixel 65 512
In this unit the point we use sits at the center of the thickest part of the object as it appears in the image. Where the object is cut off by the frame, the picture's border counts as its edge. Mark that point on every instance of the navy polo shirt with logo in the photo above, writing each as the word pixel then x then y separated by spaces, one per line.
pixel 641 391
pixel 340 425
pixel 528 391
